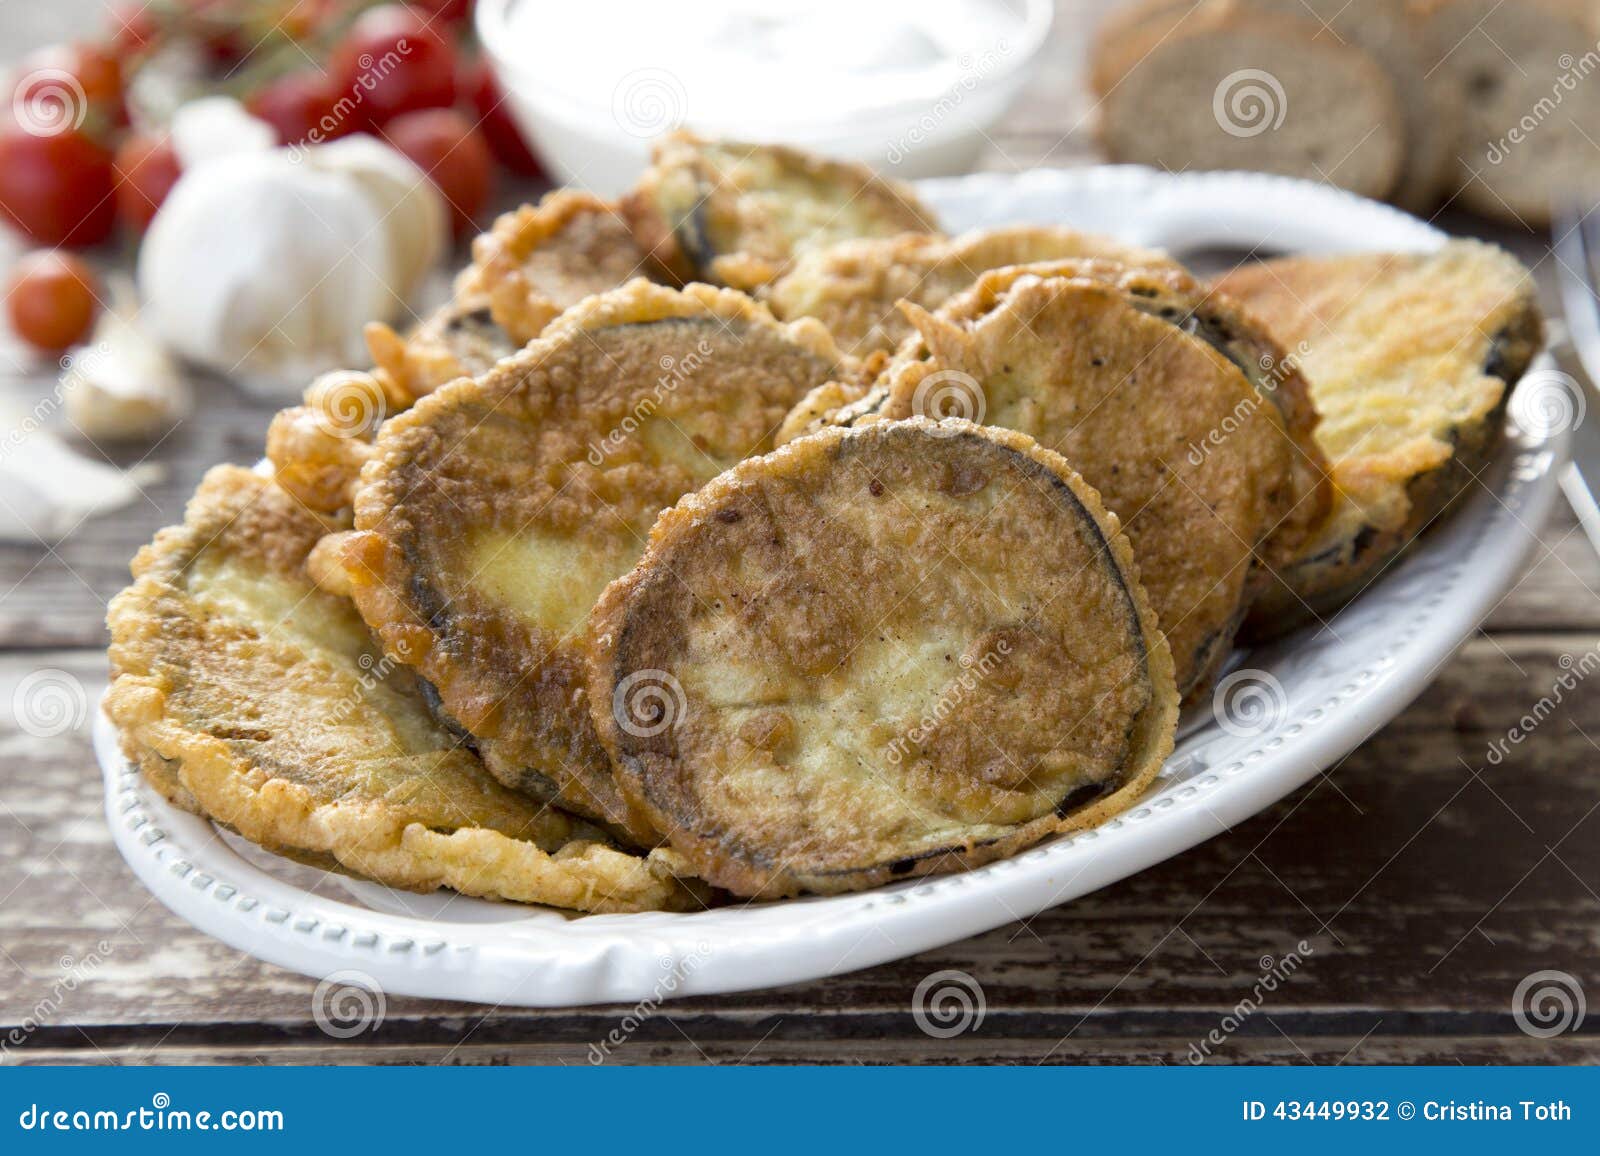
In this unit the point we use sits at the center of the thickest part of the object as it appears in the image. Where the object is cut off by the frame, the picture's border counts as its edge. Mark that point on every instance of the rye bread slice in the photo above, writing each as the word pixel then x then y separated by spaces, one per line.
pixel 1216 87
pixel 1519 79
pixel 1382 27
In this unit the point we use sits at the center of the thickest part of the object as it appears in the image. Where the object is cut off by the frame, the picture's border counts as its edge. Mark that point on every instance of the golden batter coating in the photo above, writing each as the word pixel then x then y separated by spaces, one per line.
pixel 736 214
pixel 881 653
pixel 1411 357
pixel 1192 458
pixel 1165 290
pixel 496 510
pixel 853 287
pixel 535 262
pixel 248 696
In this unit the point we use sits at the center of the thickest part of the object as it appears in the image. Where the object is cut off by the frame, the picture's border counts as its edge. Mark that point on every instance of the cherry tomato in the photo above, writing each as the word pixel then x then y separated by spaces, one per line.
pixel 76 85
pixel 146 169
pixel 51 298
pixel 393 61
pixel 444 144
pixel 496 123
pixel 301 106
pixel 445 11
pixel 56 189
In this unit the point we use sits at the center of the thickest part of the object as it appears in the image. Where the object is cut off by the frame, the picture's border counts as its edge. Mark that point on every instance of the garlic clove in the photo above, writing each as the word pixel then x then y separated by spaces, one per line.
pixel 408 205
pixel 122 385
pixel 215 128
pixel 47 491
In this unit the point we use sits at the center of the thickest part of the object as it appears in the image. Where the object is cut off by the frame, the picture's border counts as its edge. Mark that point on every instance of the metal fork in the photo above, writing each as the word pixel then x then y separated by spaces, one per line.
pixel 1576 242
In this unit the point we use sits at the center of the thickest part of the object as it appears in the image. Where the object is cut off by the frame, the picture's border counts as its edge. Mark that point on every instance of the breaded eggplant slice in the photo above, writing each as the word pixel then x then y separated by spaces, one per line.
pixel 496 510
pixel 881 653
pixel 317 449
pixel 250 697
pixel 1164 290
pixel 736 214
pixel 1183 449
pixel 535 262
pixel 1411 358
pixel 853 287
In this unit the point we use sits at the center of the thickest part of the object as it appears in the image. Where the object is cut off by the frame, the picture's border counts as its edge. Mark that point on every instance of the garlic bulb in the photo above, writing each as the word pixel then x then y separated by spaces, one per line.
pixel 217 128
pixel 267 267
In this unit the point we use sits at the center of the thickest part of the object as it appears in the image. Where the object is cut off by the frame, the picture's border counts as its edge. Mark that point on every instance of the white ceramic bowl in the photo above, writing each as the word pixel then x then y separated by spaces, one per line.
pixel 599 138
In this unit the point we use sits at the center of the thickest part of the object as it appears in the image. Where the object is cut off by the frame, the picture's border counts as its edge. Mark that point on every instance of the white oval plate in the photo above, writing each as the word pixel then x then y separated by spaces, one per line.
pixel 1325 693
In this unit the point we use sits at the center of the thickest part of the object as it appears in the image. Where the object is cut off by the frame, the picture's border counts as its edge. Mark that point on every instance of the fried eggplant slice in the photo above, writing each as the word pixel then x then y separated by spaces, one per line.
pixel 497 509
pixel 736 214
pixel 1192 458
pixel 535 262
pixel 1411 358
pixel 853 287
pixel 250 697
pixel 881 653
pixel 1166 291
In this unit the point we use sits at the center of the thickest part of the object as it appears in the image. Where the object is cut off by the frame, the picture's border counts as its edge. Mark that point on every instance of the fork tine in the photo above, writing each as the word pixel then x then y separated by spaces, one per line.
pixel 1577 243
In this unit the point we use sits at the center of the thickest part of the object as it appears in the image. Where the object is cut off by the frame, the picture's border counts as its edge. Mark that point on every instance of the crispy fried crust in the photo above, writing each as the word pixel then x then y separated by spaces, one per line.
pixel 1089 359
pixel 1165 290
pixel 248 696
pixel 496 510
pixel 535 262
pixel 1410 357
pixel 881 653
pixel 735 214
pixel 853 287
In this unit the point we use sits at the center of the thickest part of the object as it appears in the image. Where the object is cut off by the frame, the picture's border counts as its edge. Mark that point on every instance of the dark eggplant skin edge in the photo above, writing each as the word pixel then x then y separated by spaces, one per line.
pixel 784 879
pixel 1316 587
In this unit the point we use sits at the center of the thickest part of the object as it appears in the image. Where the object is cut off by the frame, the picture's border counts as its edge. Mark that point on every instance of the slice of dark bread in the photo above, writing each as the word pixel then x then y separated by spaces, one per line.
pixel 1214 86
pixel 1519 79
pixel 1382 27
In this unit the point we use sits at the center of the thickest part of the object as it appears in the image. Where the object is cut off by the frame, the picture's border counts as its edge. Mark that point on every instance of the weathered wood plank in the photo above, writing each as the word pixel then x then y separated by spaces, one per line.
pixel 1426 881
pixel 981 1047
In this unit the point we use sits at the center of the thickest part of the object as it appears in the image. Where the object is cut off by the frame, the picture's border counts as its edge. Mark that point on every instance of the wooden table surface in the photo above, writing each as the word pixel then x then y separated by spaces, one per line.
pixel 1427 883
